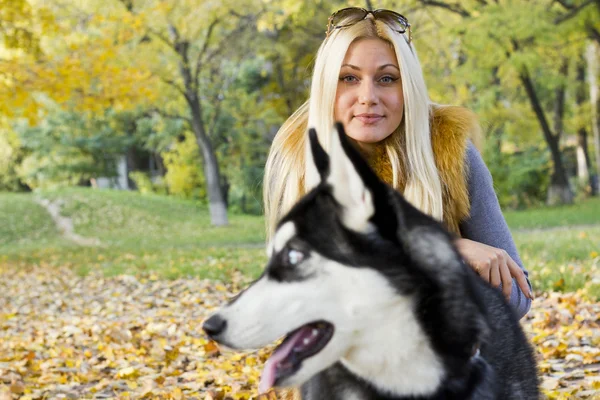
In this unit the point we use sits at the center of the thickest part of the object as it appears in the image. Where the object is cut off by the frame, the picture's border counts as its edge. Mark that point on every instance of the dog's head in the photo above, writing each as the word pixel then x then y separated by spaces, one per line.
pixel 351 263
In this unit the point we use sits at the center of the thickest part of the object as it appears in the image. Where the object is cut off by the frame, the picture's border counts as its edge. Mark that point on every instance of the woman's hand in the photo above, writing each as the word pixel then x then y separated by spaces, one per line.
pixel 493 265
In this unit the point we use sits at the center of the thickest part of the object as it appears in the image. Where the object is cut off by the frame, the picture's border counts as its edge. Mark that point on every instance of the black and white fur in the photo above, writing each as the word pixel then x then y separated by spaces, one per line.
pixel 411 320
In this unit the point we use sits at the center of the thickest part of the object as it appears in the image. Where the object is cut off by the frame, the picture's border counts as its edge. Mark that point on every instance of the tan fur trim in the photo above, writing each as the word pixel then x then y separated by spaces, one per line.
pixel 450 128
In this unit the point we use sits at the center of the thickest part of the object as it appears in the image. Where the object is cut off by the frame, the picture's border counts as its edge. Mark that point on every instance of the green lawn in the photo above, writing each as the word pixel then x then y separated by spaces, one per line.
pixel 139 234
pixel 560 246
pixel 167 237
pixel 586 212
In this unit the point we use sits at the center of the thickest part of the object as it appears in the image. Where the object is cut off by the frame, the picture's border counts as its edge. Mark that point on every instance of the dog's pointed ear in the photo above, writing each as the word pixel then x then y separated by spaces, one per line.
pixel 346 177
pixel 317 161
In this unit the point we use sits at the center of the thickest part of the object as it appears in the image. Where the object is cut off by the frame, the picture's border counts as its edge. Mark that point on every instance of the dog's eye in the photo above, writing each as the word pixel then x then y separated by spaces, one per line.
pixel 295 256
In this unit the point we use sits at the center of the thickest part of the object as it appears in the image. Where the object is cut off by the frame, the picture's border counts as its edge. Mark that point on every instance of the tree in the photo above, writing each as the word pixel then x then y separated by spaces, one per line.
pixel 68 148
pixel 592 62
pixel 526 50
pixel 584 165
pixel 82 65
pixel 188 42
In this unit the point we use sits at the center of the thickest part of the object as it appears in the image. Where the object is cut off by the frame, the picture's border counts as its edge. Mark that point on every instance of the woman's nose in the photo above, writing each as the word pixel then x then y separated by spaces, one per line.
pixel 367 94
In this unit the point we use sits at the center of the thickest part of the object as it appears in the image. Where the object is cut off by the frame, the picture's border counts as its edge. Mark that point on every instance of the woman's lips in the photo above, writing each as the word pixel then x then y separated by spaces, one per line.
pixel 369 119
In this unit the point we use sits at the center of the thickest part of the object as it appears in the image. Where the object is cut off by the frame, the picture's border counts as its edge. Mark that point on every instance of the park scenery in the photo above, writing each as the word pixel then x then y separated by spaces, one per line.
pixel 133 139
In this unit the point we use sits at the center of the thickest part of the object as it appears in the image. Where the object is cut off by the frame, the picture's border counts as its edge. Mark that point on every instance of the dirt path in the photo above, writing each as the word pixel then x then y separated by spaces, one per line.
pixel 65 224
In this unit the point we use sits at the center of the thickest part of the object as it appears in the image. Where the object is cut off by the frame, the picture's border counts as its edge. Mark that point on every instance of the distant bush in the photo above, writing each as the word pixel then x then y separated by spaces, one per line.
pixel 145 184
pixel 10 156
pixel 184 177
pixel 520 179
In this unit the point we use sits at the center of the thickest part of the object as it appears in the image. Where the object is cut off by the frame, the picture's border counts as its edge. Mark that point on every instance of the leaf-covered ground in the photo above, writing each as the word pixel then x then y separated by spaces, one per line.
pixel 65 336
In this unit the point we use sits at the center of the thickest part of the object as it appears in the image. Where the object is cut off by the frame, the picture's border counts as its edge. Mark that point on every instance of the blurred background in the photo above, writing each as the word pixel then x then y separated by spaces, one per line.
pixel 172 105
pixel 133 138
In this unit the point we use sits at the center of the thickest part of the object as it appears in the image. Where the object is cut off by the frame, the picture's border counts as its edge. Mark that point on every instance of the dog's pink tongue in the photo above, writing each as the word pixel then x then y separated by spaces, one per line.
pixel 267 378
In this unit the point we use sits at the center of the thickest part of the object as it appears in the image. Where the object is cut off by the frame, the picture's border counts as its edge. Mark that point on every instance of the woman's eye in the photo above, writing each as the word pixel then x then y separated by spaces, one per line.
pixel 295 256
pixel 348 79
pixel 387 79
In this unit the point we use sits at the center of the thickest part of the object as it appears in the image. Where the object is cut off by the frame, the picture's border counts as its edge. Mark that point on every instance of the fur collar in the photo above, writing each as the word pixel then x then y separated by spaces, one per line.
pixel 451 126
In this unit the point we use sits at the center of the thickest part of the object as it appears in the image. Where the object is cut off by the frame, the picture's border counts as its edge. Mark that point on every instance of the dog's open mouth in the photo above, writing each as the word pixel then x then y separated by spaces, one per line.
pixel 298 345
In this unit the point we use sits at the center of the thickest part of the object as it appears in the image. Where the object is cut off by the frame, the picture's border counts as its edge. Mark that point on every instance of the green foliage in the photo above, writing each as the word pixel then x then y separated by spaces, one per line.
pixel 145 185
pixel 184 176
pixel 17 20
pixel 253 62
pixel 10 157
pixel 244 130
pixel 67 148
pixel 520 179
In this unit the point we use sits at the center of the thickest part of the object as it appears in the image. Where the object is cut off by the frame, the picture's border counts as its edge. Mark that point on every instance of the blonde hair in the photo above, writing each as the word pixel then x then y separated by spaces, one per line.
pixel 287 175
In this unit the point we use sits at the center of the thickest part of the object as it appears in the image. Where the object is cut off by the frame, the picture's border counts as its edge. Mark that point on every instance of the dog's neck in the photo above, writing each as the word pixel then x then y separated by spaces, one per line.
pixel 394 353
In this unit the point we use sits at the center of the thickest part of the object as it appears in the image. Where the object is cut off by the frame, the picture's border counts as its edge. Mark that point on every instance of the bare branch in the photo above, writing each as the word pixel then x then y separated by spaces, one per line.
pixel 573 11
pixel 227 39
pixel 565 4
pixel 173 84
pixel 203 51
pixel 128 4
pixel 455 8
pixel 594 34
pixel 165 114
pixel 559 105
pixel 162 38
pixel 218 102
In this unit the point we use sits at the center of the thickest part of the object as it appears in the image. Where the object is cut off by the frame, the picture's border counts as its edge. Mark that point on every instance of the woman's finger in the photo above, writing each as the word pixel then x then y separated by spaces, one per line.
pixel 517 273
pixel 495 274
pixel 506 278
pixel 483 269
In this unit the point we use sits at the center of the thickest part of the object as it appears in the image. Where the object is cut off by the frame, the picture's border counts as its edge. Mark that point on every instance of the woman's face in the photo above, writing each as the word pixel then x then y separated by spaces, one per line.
pixel 369 100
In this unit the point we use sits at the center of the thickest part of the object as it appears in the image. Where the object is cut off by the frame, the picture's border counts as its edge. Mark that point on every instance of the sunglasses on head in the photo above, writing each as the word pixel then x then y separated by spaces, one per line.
pixel 351 15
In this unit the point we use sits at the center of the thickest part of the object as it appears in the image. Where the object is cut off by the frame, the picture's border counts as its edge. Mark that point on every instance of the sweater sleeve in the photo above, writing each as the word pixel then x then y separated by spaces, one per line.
pixel 487 225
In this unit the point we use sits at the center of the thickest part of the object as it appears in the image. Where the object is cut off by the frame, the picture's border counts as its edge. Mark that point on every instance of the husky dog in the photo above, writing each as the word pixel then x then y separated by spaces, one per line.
pixel 374 300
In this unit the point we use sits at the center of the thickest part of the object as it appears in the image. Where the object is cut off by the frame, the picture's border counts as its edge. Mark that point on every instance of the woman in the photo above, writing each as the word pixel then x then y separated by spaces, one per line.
pixel 367 76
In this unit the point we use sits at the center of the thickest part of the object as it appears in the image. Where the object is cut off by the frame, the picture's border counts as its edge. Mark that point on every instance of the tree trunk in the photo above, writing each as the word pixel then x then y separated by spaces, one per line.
pixel 592 62
pixel 559 191
pixel 217 206
pixel 583 158
pixel 131 165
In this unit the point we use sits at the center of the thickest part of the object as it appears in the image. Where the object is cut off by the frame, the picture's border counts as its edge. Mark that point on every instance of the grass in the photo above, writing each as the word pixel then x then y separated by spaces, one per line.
pixel 25 225
pixel 560 246
pixel 585 212
pixel 139 234
pixel 564 260
pixel 170 238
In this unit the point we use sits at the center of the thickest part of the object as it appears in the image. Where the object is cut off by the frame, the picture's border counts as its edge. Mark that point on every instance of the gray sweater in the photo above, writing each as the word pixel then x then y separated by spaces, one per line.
pixel 486 223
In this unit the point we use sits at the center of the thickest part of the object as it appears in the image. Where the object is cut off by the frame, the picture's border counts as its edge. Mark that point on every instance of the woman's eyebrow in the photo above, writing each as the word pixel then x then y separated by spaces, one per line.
pixel 380 68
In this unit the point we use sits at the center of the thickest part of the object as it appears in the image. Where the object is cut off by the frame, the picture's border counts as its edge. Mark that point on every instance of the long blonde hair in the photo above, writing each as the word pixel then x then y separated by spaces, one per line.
pixel 287 175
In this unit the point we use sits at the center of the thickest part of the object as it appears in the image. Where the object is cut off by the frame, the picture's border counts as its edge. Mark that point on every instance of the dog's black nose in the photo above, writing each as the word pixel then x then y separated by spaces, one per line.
pixel 214 325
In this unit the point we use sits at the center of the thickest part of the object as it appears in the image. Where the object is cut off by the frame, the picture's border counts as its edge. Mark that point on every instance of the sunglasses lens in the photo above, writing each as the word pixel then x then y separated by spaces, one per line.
pixel 393 19
pixel 347 16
